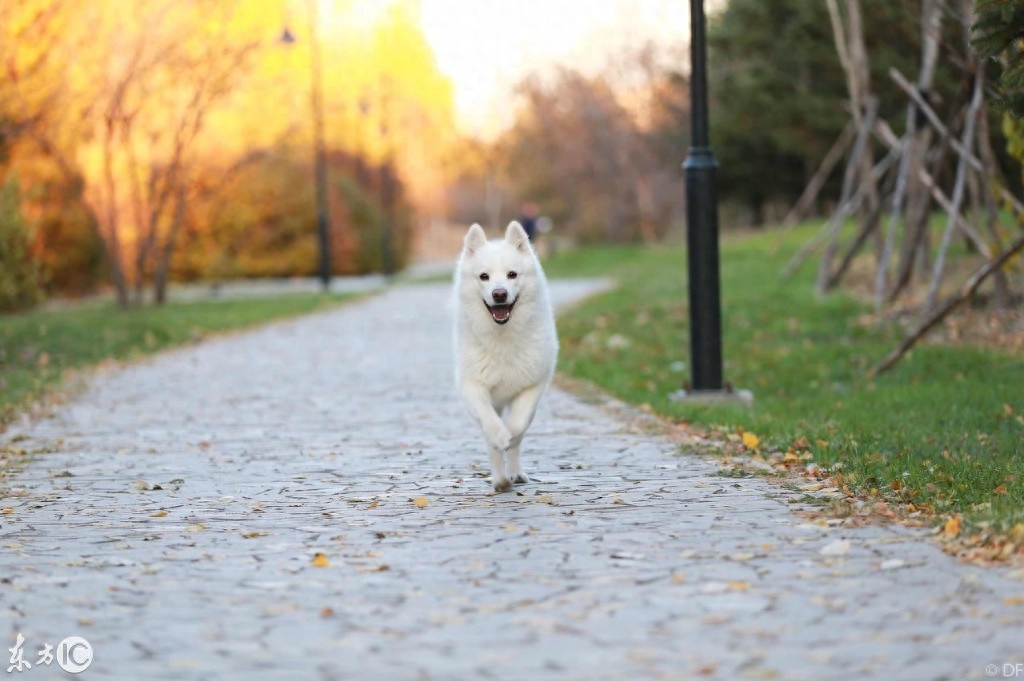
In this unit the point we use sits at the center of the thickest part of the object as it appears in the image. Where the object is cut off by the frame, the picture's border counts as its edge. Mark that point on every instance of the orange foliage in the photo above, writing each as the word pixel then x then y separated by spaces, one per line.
pixel 144 105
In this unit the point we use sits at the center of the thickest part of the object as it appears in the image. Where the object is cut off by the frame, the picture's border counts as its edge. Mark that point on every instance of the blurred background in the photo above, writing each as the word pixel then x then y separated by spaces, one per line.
pixel 164 141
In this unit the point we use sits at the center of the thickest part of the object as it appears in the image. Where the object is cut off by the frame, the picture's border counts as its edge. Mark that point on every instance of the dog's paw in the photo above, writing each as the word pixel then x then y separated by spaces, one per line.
pixel 502 484
pixel 520 478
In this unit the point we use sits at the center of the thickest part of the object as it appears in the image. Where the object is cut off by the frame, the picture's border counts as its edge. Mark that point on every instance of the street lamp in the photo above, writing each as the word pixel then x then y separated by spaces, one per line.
pixel 323 224
pixel 702 234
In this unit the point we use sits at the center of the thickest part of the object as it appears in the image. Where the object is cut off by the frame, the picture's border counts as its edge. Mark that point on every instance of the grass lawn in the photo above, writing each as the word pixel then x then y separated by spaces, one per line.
pixel 943 430
pixel 36 348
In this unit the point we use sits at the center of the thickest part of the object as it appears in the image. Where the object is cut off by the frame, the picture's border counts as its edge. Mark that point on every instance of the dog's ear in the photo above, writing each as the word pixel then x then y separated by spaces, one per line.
pixel 475 238
pixel 516 235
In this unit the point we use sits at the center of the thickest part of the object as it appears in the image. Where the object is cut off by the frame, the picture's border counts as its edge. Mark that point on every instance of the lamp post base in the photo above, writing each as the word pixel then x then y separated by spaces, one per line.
pixel 744 398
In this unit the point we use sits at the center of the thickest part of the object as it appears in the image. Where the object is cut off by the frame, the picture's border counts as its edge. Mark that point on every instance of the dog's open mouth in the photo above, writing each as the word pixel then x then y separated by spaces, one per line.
pixel 501 313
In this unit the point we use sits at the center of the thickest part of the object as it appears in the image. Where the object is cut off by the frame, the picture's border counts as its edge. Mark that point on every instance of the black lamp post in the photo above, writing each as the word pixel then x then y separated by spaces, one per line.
pixel 323 220
pixel 702 223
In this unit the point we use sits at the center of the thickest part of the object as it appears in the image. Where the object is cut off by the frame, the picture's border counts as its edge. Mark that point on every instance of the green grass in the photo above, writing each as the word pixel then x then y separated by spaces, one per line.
pixel 37 348
pixel 937 422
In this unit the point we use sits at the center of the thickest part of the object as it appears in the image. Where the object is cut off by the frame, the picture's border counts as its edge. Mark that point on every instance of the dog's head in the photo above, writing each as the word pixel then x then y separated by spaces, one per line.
pixel 503 270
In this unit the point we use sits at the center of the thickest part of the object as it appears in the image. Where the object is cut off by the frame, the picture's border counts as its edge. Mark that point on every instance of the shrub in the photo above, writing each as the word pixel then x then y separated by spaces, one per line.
pixel 20 278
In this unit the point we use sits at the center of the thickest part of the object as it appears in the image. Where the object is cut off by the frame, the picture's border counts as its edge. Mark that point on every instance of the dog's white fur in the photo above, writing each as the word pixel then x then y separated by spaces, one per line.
pixel 502 370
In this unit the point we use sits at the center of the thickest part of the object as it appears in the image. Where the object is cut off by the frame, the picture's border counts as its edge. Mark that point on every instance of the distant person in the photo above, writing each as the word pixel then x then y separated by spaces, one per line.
pixel 528 219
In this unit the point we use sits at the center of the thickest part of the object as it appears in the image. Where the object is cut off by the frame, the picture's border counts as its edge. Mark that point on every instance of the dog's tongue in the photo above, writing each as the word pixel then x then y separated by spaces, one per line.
pixel 501 313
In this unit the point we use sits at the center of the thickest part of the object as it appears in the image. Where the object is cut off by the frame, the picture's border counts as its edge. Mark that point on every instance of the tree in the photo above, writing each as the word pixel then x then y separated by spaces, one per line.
pixel 778 90
pixel 576 150
pixel 999 34
pixel 178 63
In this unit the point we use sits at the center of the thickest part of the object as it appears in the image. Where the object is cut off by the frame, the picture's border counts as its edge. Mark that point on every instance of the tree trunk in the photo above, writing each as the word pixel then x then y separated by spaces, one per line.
pixel 913 141
pixel 973 111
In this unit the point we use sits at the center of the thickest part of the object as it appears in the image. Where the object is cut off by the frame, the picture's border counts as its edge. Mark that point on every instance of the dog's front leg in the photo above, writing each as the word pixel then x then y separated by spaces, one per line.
pixel 478 402
pixel 518 419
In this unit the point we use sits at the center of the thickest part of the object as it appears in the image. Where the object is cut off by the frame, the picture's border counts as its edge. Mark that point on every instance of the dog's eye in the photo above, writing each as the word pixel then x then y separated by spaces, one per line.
pixel 484 276
pixel 513 275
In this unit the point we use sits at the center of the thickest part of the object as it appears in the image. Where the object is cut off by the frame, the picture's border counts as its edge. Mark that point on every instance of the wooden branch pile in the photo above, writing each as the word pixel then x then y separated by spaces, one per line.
pixel 893 197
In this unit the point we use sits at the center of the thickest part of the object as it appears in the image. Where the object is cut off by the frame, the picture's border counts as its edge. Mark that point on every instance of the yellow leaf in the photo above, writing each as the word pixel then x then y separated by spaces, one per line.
pixel 420 502
pixel 751 441
pixel 739 585
pixel 373 504
pixel 158 514
pixel 253 535
pixel 678 578
pixel 618 501
pixel 1013 600
pixel 196 528
pixel 327 612
pixel 510 528
pixel 320 560
pixel 952 527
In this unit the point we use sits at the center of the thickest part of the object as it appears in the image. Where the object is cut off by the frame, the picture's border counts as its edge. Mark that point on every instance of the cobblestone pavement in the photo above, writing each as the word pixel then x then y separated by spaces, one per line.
pixel 176 527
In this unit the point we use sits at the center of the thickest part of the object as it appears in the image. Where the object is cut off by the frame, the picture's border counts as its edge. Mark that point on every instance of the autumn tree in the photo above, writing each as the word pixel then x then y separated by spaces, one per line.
pixel 177 62
pixel 577 150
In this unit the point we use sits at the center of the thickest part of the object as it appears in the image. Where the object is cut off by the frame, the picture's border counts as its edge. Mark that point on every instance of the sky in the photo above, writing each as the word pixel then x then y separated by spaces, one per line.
pixel 486 46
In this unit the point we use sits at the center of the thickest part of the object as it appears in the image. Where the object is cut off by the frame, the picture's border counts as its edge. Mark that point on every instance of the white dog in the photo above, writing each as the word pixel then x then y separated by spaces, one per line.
pixel 505 342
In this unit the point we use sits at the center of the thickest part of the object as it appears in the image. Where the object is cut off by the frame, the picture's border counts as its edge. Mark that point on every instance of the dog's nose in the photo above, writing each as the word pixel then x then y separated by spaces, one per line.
pixel 500 295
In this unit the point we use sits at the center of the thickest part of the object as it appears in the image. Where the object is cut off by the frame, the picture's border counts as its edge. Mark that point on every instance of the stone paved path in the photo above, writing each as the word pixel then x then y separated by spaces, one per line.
pixel 176 526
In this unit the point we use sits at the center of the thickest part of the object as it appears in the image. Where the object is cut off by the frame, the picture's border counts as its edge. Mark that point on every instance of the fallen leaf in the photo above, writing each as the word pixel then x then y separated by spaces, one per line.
pixel 253 535
pixel 1013 600
pixel 327 612
pixel 618 501
pixel 420 502
pixel 739 585
pixel 678 578
pixel 7 511
pixel 196 528
pixel 751 441
pixel 320 560
pixel 545 499
pixel 158 514
pixel 373 504
pixel 892 564
pixel 509 527
pixel 377 568
pixel 627 555
pixel 952 527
